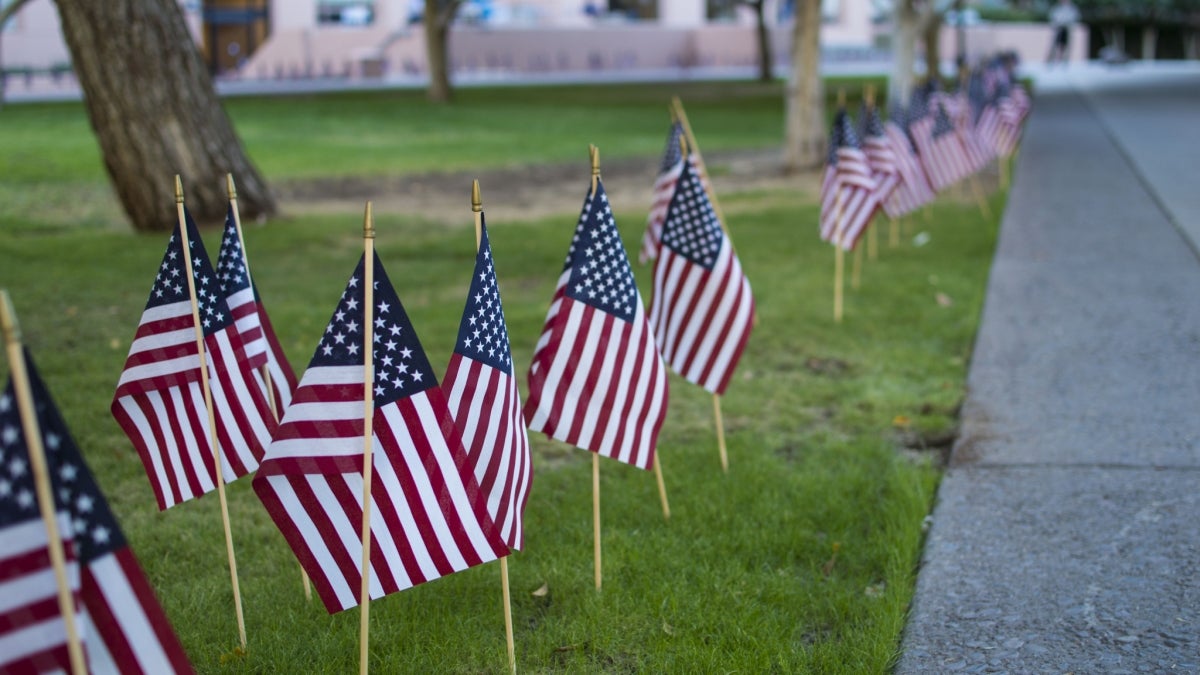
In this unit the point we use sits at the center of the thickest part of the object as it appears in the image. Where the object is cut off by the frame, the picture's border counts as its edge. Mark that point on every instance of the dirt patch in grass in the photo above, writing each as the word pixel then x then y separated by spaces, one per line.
pixel 527 192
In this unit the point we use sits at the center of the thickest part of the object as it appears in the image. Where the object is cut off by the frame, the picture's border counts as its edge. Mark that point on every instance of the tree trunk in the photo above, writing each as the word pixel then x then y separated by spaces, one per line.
pixel 155 112
pixel 1149 42
pixel 438 16
pixel 904 49
pixel 804 137
pixel 931 32
pixel 766 59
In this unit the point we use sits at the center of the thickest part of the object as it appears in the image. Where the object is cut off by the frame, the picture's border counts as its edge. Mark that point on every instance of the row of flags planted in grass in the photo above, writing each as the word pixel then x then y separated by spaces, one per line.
pixel 379 477
pixel 898 165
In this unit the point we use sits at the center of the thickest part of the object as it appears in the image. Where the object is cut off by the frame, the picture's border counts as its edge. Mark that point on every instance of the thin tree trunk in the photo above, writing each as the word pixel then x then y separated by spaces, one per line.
pixel 904 48
pixel 804 137
pixel 155 112
pixel 438 16
pixel 933 48
pixel 766 69
pixel 1149 42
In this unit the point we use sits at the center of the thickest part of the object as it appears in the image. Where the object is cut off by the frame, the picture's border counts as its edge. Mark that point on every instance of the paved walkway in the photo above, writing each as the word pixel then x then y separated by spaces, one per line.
pixel 1066 537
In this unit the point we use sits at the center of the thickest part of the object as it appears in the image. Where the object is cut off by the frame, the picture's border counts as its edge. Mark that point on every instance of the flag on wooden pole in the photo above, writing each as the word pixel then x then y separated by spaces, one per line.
pixel 940 148
pixel 485 403
pixel 664 187
pixel 159 401
pixel 250 316
pixel 428 518
pixel 846 188
pixel 914 190
pixel 597 379
pixel 881 157
pixel 123 627
pixel 702 310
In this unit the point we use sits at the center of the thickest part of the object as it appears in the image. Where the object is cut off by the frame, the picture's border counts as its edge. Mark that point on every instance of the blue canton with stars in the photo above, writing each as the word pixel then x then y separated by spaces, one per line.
pixel 401 368
pixel 95 530
pixel 691 228
pixel 673 153
pixel 170 284
pixel 842 135
pixel 231 262
pixel 941 123
pixel 600 271
pixel 483 335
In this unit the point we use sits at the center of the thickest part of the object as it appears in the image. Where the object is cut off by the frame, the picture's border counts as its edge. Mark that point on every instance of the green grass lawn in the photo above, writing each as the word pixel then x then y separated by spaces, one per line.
pixel 742 578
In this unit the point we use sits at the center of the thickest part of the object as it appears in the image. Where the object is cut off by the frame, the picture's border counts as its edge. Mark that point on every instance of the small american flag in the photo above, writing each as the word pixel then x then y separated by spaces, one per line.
pixel 428 518
pixel 881 156
pixel 846 189
pixel 159 401
pixel 914 190
pixel 250 316
pixel 664 187
pixel 121 625
pixel 940 149
pixel 485 402
pixel 597 380
pixel 967 110
pixel 702 310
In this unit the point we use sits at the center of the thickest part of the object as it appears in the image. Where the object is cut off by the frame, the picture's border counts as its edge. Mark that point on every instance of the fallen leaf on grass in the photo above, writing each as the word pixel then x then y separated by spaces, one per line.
pixel 541 592
pixel 901 421
pixel 943 300
pixel 668 629
pixel 874 590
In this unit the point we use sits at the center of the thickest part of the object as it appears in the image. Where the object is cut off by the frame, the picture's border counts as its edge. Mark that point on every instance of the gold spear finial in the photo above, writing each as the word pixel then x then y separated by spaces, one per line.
pixel 368 224
pixel 476 200
pixel 229 186
pixel 178 190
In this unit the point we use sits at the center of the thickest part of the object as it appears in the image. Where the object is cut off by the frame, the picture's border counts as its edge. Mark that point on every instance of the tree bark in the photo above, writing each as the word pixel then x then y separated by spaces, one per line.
pixel 1149 42
pixel 931 30
pixel 904 49
pixel 439 14
pixel 804 133
pixel 766 59
pixel 155 112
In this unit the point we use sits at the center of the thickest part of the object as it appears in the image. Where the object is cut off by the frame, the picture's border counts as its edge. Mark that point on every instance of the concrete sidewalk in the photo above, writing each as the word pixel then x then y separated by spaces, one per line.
pixel 1066 537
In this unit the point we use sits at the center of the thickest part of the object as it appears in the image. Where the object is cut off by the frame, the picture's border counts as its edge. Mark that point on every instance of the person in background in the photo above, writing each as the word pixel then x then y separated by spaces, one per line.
pixel 1062 17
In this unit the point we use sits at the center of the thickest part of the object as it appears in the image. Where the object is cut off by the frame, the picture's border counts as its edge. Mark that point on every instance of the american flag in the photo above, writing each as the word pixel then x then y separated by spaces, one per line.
pixel 597 380
pixel 428 518
pixel 846 189
pixel 965 114
pixel 914 190
pixel 159 401
pixel 664 187
pixel 250 316
pixel 121 625
pixel 702 310
pixel 940 149
pixel 485 402
pixel 881 156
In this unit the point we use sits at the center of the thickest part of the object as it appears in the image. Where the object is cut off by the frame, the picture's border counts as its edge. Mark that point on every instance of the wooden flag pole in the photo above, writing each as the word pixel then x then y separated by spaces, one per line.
pixel 477 210
pixel 208 405
pixel 594 152
pixel 720 433
pixel 980 198
pixel 856 268
pixel 364 596
pixel 873 244
pixel 266 370
pixel 683 146
pixel 41 479
pixel 839 257
pixel 662 488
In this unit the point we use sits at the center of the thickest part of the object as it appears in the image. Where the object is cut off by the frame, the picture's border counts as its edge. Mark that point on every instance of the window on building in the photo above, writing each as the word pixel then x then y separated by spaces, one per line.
pixel 721 10
pixel 634 10
pixel 345 12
